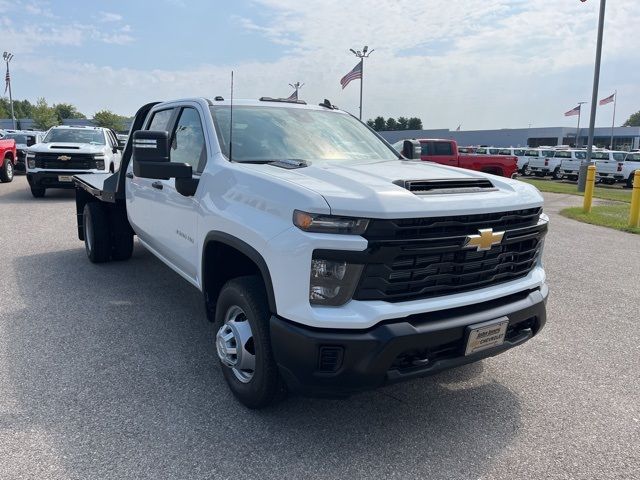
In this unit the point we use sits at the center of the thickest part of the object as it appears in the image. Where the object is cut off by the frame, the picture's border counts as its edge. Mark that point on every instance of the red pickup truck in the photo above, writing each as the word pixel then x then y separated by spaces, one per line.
pixel 8 159
pixel 446 152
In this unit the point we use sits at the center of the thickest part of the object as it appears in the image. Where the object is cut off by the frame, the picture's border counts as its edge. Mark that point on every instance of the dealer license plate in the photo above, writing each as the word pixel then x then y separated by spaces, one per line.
pixel 64 178
pixel 486 335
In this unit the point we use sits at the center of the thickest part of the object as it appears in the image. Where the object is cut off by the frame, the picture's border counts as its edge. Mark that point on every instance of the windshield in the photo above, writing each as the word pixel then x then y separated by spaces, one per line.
pixel 563 155
pixel 75 135
pixel 548 153
pixel 265 133
pixel 532 153
pixel 618 156
pixel 18 137
pixel 600 155
pixel 633 157
pixel 481 151
pixel 505 151
pixel 580 155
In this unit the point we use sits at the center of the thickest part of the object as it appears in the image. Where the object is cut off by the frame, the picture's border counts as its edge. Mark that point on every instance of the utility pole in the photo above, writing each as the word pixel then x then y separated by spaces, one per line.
pixel 582 178
pixel 361 55
pixel 7 58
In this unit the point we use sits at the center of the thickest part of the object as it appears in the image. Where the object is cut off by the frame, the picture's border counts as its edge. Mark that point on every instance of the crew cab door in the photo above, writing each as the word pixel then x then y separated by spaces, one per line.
pixel 164 218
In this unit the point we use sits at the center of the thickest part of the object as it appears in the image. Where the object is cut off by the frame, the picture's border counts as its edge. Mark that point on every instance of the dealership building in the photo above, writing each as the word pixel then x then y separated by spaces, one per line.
pixel 624 138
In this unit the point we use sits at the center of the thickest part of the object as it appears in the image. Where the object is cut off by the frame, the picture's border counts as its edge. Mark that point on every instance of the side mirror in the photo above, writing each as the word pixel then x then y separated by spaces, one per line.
pixel 151 157
pixel 411 149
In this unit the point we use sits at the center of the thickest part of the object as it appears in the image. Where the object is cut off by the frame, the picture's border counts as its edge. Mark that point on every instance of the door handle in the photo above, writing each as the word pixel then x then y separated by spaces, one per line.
pixel 129 175
pixel 157 185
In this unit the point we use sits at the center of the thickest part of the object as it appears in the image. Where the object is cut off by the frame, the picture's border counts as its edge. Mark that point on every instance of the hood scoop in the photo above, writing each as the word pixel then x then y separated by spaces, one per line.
pixel 447 186
pixel 64 147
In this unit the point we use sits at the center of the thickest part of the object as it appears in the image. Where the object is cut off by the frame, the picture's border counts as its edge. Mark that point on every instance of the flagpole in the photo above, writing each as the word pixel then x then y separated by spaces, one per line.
pixel 361 55
pixel 613 122
pixel 7 58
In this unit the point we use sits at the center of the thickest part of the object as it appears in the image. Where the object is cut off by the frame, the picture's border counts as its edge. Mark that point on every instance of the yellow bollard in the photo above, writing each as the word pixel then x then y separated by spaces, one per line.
pixel 588 190
pixel 634 214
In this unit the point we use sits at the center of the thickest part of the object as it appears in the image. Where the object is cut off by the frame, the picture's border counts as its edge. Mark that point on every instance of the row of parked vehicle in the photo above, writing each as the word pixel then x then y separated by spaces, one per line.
pixel 563 162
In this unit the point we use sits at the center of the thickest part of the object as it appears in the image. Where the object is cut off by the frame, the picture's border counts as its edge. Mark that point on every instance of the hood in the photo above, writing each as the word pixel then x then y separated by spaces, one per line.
pixel 376 190
pixel 67 147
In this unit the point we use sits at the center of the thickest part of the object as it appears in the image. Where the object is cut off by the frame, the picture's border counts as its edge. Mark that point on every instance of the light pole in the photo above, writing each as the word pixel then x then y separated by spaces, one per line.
pixel 7 58
pixel 361 55
pixel 582 178
pixel 297 86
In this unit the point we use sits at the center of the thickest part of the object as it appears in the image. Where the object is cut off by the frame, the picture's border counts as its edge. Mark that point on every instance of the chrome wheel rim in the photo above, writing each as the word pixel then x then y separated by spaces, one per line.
pixel 235 346
pixel 9 170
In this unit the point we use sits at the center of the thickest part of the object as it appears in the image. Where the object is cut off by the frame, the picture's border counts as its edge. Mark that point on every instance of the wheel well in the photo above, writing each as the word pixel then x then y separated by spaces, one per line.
pixel 9 156
pixel 223 261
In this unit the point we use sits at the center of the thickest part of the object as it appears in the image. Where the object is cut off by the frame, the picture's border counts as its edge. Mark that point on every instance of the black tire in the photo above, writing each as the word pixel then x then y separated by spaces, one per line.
pixel 38 192
pixel 6 172
pixel 526 170
pixel 629 182
pixel 264 386
pixel 97 238
pixel 556 174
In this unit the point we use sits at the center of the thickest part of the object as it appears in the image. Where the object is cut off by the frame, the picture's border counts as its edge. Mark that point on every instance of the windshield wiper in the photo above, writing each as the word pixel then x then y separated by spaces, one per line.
pixel 281 162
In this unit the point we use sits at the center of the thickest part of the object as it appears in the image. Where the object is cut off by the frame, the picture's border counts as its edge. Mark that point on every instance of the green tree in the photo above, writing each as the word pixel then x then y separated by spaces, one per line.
pixel 633 121
pixel 5 110
pixel 23 108
pixel 414 123
pixel 379 124
pixel 66 110
pixel 108 119
pixel 403 122
pixel 391 124
pixel 44 117
pixel 371 123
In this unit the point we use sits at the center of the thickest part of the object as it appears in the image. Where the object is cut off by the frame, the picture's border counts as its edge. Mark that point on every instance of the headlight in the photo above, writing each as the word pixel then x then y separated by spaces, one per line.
pixel 99 161
pixel 332 282
pixel 311 222
pixel 31 160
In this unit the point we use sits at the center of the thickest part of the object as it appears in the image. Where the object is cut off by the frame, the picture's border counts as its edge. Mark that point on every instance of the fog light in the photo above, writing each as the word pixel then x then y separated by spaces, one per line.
pixel 31 163
pixel 332 282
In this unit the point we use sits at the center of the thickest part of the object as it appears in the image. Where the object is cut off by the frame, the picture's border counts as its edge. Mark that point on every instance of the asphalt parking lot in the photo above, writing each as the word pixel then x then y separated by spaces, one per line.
pixel 109 371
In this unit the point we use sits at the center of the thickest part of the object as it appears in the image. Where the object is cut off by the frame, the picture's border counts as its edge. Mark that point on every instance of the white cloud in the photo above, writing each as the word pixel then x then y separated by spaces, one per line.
pixel 485 64
pixel 110 17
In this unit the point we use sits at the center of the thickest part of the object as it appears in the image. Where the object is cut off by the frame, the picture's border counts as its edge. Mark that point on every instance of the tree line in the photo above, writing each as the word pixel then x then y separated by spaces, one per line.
pixel 44 116
pixel 402 123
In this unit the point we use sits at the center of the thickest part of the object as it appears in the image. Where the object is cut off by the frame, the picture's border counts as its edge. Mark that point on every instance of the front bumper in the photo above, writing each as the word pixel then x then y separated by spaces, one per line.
pixel 330 362
pixel 51 179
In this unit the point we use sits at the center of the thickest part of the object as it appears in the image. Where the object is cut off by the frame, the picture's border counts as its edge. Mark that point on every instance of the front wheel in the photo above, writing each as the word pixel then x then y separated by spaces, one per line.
pixel 243 342
pixel 6 172
pixel 629 183
pixel 556 174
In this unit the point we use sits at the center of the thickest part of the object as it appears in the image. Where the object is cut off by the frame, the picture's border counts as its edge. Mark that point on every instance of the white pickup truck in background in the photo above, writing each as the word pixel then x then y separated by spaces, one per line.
pixel 544 163
pixel 328 263
pixel 519 153
pixel 68 150
pixel 570 167
pixel 609 166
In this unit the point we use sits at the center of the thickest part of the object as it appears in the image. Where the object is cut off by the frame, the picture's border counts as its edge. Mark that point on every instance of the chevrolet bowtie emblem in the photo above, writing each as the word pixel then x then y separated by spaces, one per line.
pixel 486 239
pixel 64 158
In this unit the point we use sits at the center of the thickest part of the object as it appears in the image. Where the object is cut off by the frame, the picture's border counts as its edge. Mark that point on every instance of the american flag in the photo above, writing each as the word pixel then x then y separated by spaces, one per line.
pixel 609 99
pixel 571 113
pixel 293 96
pixel 7 80
pixel 356 72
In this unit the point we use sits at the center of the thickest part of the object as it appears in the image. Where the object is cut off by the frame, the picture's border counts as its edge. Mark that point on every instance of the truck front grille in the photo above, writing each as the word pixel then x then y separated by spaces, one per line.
pixel 78 161
pixel 424 258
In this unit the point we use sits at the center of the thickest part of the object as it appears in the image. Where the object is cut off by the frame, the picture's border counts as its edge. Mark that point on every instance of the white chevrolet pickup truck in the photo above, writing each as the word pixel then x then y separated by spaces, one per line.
pixel 68 150
pixel 328 263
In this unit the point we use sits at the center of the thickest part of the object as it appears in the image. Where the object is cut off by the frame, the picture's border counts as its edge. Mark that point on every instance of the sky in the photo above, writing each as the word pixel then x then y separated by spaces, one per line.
pixel 480 64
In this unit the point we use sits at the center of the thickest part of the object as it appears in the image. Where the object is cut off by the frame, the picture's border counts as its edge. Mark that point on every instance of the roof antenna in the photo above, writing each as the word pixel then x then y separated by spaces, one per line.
pixel 231 123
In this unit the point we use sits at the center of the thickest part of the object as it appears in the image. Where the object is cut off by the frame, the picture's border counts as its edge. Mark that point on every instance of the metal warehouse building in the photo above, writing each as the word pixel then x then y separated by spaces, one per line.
pixel 624 138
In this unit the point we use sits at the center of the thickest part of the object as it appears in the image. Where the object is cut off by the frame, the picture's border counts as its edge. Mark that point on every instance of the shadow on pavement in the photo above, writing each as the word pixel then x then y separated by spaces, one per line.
pixel 115 364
